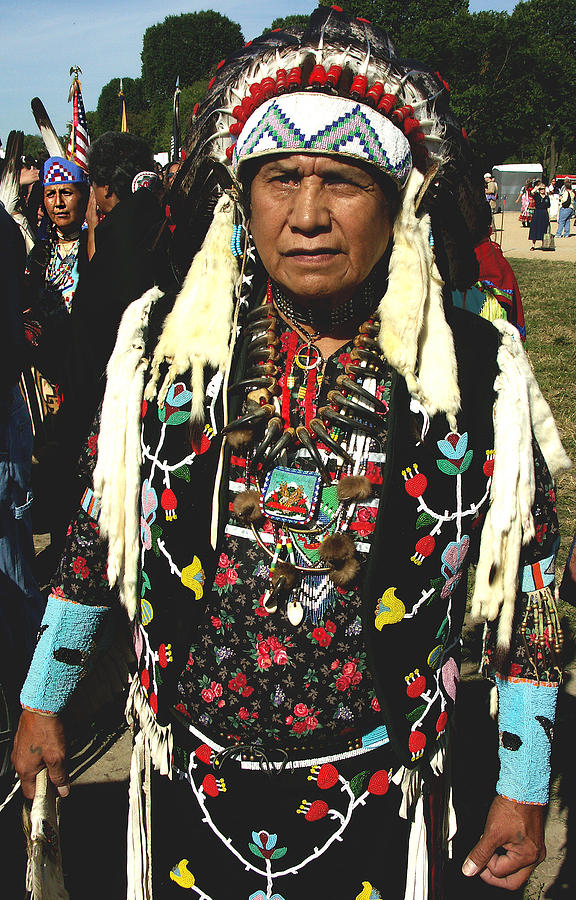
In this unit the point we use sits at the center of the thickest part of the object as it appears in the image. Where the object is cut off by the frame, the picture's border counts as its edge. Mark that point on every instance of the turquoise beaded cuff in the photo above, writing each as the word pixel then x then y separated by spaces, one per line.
pixel 68 635
pixel 526 720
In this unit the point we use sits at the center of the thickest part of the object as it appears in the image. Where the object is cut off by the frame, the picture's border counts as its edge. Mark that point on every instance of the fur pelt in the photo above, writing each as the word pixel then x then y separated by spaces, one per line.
pixel 414 335
pixel 520 411
pixel 354 487
pixel 247 506
pixel 117 472
pixel 196 333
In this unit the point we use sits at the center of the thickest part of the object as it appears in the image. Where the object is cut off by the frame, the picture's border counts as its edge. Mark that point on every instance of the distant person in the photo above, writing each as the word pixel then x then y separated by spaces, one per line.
pixel 565 210
pixel 491 191
pixel 524 198
pixel 53 272
pixel 124 218
pixel 540 220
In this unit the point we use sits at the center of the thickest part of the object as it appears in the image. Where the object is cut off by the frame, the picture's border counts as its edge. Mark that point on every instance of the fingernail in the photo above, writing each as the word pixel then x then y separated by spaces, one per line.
pixel 64 790
pixel 469 867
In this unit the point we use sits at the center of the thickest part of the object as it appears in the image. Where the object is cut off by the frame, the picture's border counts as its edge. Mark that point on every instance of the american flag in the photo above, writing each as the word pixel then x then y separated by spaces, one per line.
pixel 78 142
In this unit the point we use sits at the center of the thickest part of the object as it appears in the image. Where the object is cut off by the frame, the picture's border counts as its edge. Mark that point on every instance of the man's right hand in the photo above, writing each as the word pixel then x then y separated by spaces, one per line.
pixel 40 743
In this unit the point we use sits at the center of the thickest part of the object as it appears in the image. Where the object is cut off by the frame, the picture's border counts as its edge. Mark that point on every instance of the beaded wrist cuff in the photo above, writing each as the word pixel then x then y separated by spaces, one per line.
pixel 67 638
pixel 526 719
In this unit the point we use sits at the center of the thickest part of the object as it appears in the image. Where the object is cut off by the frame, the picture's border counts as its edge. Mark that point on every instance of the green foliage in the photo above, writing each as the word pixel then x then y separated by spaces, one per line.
pixel 295 21
pixel 508 72
pixel 34 146
pixel 160 118
pixel 188 46
pixel 401 19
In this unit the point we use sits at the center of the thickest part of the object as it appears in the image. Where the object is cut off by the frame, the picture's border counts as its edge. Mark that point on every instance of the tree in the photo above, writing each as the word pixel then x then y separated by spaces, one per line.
pixel 160 122
pixel 108 108
pixel 400 19
pixel 189 46
pixel 295 21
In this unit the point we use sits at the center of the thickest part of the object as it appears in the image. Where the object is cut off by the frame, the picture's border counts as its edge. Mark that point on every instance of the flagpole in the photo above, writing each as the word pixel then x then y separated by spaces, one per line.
pixel 78 141
pixel 123 118
pixel 175 140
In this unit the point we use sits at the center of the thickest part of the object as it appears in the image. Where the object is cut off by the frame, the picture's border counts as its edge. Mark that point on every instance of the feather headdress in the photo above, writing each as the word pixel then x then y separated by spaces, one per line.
pixel 401 104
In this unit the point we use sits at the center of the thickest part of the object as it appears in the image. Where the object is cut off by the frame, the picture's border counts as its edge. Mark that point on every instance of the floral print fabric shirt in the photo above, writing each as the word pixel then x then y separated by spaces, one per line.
pixel 251 676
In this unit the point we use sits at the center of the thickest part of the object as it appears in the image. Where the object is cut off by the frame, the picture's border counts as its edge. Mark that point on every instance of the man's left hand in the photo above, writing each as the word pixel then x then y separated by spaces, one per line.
pixel 517 829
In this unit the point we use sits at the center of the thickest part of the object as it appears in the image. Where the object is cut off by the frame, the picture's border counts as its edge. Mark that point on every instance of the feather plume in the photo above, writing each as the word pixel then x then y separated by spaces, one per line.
pixel 49 136
pixel 10 179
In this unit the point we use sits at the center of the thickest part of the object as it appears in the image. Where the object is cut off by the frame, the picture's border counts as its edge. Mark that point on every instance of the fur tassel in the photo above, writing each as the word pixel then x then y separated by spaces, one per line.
pixel 345 573
pixel 247 506
pixel 338 551
pixel 355 487
pixel 336 548
pixel 286 571
pixel 520 410
pixel 44 875
pixel 196 333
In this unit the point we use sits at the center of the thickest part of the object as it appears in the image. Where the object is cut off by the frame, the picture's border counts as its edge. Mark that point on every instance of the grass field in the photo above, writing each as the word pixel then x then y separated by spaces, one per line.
pixel 549 297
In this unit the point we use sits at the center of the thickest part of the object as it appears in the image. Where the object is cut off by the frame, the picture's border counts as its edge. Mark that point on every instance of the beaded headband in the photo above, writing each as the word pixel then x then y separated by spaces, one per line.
pixel 58 170
pixel 313 123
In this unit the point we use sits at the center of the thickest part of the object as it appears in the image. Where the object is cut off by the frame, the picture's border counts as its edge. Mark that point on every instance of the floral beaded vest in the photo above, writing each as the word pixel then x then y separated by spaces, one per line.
pixel 431 504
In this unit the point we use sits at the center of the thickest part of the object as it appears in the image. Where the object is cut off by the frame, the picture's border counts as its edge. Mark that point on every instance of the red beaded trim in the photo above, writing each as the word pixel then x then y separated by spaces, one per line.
pixel 373 95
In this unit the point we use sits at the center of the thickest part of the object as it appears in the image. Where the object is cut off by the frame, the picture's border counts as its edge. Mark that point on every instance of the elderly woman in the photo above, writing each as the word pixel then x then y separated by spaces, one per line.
pixel 295 466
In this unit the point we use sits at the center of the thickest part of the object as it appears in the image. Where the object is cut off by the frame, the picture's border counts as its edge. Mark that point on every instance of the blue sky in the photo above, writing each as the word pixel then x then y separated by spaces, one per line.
pixel 40 41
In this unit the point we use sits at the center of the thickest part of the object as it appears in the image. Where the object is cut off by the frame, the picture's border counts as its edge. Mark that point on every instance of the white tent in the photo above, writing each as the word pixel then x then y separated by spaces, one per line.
pixel 511 179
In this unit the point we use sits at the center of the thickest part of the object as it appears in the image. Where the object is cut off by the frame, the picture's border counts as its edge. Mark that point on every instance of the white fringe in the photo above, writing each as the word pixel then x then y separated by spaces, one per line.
pixel 153 746
pixel 117 472
pixel 412 808
pixel 414 335
pixel 519 411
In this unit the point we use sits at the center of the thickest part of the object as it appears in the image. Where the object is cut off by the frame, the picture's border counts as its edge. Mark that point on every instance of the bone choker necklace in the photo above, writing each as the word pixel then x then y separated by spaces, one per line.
pixel 358 307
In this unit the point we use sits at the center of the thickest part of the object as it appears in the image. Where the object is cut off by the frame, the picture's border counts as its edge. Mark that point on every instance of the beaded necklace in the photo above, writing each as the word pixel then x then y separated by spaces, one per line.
pixel 296 502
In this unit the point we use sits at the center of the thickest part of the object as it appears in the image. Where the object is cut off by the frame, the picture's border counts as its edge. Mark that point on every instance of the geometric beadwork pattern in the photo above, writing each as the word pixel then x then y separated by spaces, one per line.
pixel 313 123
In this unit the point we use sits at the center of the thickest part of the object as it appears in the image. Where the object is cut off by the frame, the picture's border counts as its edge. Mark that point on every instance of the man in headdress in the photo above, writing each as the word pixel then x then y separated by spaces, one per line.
pixel 298 458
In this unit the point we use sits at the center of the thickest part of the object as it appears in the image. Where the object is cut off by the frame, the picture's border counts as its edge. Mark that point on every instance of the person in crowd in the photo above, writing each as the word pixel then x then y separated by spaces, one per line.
pixel 298 457
pixel 496 294
pixel 565 209
pixel 123 217
pixel 524 198
pixel 540 219
pixel 491 192
pixel 21 604
pixel 54 268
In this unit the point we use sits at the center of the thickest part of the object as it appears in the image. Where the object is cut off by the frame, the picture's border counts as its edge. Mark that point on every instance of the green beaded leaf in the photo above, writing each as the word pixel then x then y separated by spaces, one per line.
pixel 256 850
pixel 447 467
pixel 145 582
pixel 358 782
pixel 156 533
pixel 442 629
pixel 417 713
pixel 182 472
pixel 466 461
pixel 279 853
pixel 425 519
